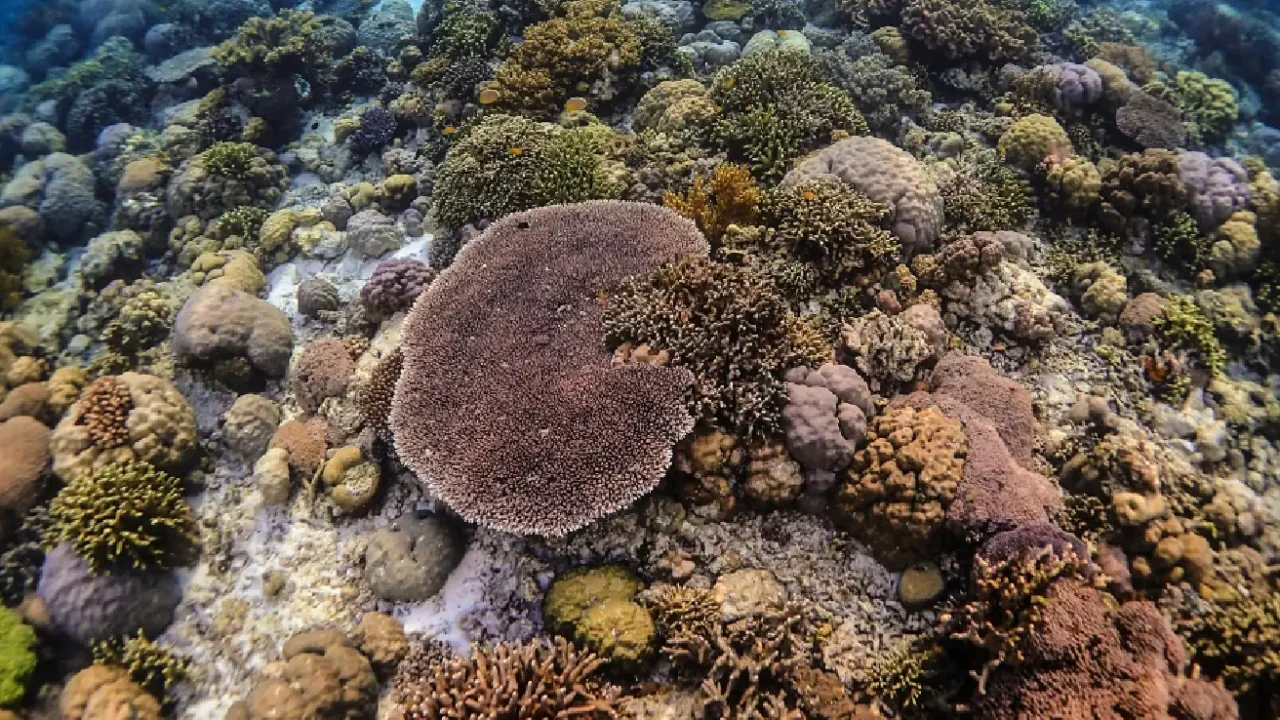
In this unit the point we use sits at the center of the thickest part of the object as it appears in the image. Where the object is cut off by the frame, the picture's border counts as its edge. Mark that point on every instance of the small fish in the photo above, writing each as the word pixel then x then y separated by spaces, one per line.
pixel 999 346
pixel 809 195
pixel 604 296
pixel 449 130
pixel 488 96
pixel 728 84
pixel 516 150
pixel 782 33
pixel 575 104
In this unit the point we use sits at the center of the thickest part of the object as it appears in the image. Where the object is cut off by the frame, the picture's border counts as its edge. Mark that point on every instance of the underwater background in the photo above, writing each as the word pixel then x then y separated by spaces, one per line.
pixel 642 359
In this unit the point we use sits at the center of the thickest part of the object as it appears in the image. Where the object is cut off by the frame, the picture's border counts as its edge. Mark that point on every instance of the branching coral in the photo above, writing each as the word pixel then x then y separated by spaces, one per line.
pixel 982 30
pixel 1210 103
pixel 777 105
pixel 509 404
pixel 726 324
pixel 985 193
pixel 592 50
pixel 729 197
pixel 290 43
pixel 540 680
pixel 833 228
pixel 13 263
pixel 152 666
pixel 128 514
pixel 104 408
pixel 1183 327
pixel 507 164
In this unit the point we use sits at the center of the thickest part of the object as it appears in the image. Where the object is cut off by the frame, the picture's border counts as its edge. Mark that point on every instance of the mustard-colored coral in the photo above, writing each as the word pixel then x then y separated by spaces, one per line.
pixel 897 490
pixel 729 197
pixel 1033 139
pixel 1210 103
pixel 1075 182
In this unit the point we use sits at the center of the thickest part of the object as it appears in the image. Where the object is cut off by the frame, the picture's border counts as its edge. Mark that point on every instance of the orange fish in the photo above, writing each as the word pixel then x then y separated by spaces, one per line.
pixel 449 130
pixel 516 150
pixel 809 195
pixel 575 104
pixel 488 96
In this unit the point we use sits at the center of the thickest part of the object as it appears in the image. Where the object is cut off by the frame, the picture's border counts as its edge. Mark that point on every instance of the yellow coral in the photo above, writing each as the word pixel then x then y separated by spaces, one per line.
pixel 1033 139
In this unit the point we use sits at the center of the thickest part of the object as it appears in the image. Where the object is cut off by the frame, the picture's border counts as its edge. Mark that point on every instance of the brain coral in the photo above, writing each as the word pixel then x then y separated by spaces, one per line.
pixel 161 431
pixel 508 405
pixel 900 485
pixel 886 174
pixel 107 692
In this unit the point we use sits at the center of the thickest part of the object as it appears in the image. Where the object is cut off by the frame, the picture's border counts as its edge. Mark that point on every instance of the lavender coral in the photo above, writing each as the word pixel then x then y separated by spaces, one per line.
pixel 508 405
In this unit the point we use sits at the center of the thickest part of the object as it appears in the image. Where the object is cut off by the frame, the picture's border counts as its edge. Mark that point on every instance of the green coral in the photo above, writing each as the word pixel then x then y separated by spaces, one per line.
pixel 244 221
pixel 832 228
pixel 777 105
pixel 290 43
pixel 1183 327
pixel 506 164
pixel 467 35
pixel 1178 241
pixel 229 159
pixel 903 677
pixel 1033 139
pixel 1074 183
pixel 595 607
pixel 154 667
pixel 144 321
pixel 727 324
pixel 17 657
pixel 592 51
pixel 985 194
pixel 979 30
pixel 13 263
pixel 1212 104
pixel 128 514
pixel 115 59
pixel 1235 637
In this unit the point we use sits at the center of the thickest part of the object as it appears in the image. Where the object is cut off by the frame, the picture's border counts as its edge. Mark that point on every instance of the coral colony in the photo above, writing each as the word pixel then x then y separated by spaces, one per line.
pixel 639 360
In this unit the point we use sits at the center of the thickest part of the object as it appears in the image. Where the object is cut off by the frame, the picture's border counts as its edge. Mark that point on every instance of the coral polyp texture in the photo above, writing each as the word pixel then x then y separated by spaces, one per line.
pixel 643 359
pixel 590 436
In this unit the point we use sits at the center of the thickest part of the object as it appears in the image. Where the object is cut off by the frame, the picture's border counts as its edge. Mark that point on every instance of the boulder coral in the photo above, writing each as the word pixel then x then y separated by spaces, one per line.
pixel 220 323
pixel 508 406
pixel 886 174
pixel 159 428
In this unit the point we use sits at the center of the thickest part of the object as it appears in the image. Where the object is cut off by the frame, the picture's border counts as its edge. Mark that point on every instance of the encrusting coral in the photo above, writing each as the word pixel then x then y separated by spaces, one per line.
pixel 552 362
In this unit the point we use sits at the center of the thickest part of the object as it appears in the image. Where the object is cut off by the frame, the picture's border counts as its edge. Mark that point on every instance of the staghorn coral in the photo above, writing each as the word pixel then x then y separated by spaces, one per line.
pixel 154 667
pixel 884 92
pixel 592 48
pixel 777 105
pixel 896 492
pixel 985 193
pixel 507 164
pixel 578 447
pixel 125 515
pixel 833 228
pixel 539 680
pixel 886 174
pixel 729 326
pixel 1183 327
pixel 1210 103
pixel 1233 636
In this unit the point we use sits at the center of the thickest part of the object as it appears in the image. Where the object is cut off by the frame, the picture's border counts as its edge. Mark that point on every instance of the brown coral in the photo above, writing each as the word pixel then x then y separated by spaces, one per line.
pixel 25 456
pixel 900 485
pixel 509 405
pixel 540 680
pixel 323 677
pixel 104 408
pixel 374 397
pixel 100 692
pixel 306 444
pixel 322 371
